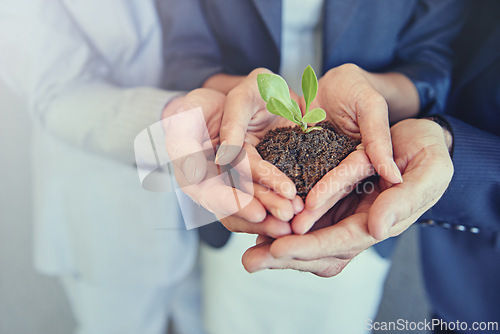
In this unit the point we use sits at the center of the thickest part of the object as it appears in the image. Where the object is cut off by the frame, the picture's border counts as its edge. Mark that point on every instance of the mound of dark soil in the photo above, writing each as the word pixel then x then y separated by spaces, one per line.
pixel 305 157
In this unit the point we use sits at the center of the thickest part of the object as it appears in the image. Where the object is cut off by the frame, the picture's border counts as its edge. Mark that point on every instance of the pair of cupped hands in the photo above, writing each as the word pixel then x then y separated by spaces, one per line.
pixel 350 209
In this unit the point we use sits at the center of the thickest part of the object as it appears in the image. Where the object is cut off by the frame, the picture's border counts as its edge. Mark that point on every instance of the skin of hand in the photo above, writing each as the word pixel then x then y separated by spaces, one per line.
pixel 357 108
pixel 191 151
pixel 363 219
pixel 244 123
pixel 346 93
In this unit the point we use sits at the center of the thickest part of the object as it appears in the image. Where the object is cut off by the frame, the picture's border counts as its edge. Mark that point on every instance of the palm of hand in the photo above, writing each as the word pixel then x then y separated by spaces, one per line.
pixel 263 121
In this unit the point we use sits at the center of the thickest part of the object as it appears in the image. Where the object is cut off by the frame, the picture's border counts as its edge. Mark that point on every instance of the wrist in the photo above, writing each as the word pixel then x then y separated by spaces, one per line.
pixel 223 83
pixel 448 137
pixel 400 93
pixel 447 132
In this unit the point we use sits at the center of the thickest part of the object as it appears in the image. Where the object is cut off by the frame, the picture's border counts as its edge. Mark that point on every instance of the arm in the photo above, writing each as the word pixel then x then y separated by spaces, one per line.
pixel 424 55
pixel 68 85
pixel 363 103
pixel 471 199
pixel 473 196
pixel 191 52
pixel 223 83
pixel 399 93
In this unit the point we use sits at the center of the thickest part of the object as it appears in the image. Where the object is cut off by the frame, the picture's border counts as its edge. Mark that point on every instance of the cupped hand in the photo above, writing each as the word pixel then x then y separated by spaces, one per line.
pixel 366 217
pixel 246 120
pixel 191 125
pixel 357 108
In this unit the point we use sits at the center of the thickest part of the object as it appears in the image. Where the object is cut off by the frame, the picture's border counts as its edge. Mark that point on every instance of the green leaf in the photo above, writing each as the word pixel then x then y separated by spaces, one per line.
pixel 296 112
pixel 272 85
pixel 277 107
pixel 309 86
pixel 315 116
pixel 313 128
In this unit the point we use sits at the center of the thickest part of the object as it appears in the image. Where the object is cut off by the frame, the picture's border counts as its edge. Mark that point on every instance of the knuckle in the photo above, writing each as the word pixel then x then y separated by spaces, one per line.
pixel 259 70
pixel 226 126
pixel 349 67
pixel 345 238
pixel 377 99
pixel 321 245
pixel 230 128
pixel 368 99
pixel 235 93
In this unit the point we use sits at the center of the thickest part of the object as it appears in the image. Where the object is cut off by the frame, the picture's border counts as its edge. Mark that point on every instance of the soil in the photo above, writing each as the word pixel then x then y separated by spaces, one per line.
pixel 305 157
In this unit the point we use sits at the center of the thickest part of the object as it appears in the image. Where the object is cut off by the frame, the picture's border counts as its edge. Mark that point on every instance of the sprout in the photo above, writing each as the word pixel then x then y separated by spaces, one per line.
pixel 274 90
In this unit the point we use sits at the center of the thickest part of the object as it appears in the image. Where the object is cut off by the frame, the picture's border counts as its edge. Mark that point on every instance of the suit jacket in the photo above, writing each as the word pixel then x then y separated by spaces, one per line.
pixel 461 253
pixel 206 37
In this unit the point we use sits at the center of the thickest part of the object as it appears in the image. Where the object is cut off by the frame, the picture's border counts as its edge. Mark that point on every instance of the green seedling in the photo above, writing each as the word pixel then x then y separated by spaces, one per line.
pixel 275 92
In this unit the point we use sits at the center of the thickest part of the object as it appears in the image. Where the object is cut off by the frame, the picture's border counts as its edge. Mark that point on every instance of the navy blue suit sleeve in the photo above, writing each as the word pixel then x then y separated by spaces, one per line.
pixel 473 196
pixel 424 54
pixel 190 50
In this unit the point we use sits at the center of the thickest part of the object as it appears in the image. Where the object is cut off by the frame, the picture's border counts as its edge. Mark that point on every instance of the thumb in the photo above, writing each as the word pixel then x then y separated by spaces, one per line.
pixel 373 120
pixel 396 208
pixel 241 104
pixel 237 114
pixel 185 132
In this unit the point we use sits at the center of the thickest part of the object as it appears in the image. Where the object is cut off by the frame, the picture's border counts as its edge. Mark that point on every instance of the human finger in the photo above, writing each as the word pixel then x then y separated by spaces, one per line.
pixel 265 173
pixel 372 118
pixel 241 104
pixel 258 258
pixel 304 221
pixel 425 181
pixel 334 186
pixel 219 198
pixel 184 146
pixel 280 207
pixel 263 238
pixel 353 169
pixel 270 226
pixel 189 122
pixel 343 240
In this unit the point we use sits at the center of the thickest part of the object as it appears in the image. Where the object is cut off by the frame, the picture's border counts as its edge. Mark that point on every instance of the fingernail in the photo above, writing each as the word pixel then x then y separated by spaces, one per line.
pixel 288 190
pixel 285 216
pixel 221 151
pixel 279 214
pixel 298 204
pixel 189 169
pixel 397 173
pixel 258 217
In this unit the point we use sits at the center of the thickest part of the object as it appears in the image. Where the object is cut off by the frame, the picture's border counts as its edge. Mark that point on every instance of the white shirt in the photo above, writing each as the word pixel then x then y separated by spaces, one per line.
pixel 300 40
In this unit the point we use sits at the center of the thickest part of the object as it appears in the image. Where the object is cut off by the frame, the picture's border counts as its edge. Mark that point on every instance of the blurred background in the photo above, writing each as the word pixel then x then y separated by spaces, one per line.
pixel 34 304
